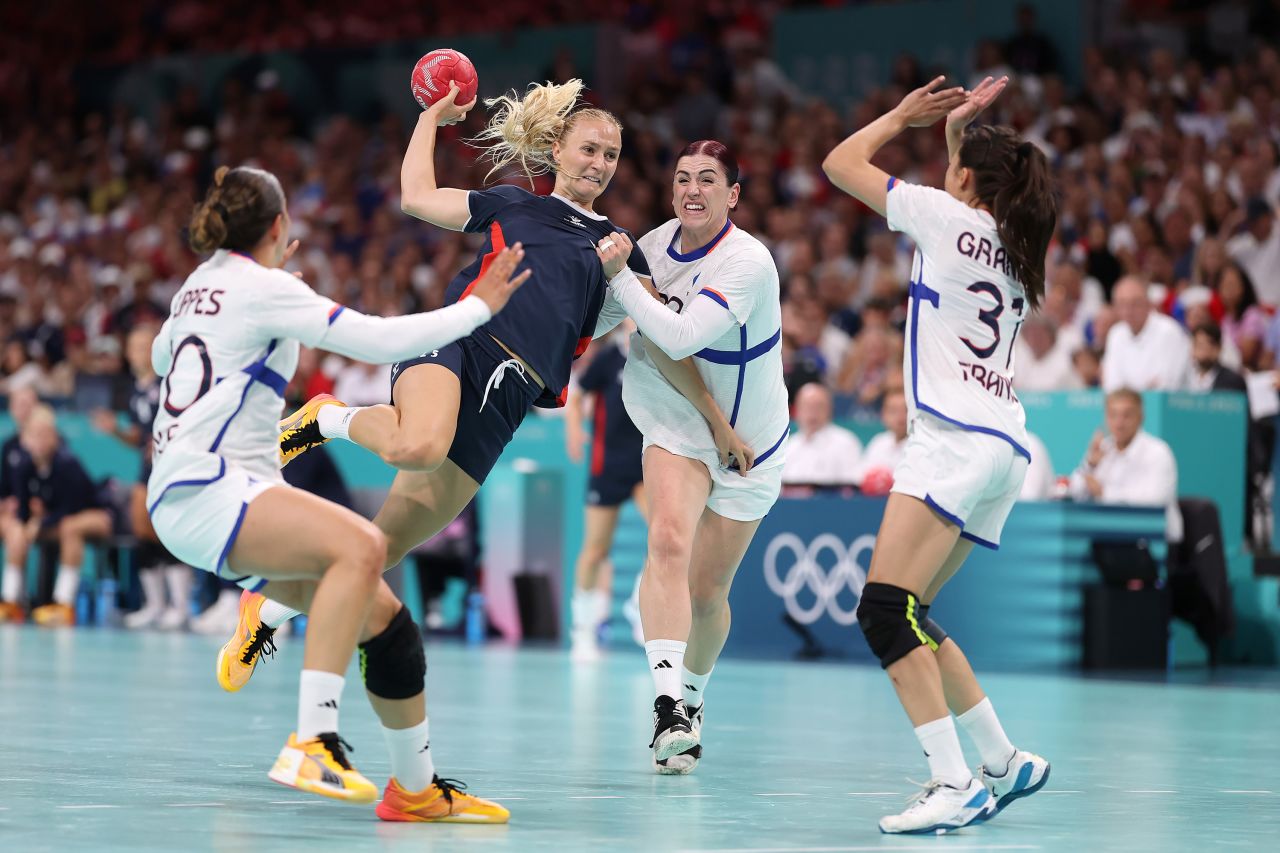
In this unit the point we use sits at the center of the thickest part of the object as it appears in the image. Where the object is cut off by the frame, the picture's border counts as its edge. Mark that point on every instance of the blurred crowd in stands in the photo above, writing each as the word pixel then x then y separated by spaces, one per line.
pixel 1167 155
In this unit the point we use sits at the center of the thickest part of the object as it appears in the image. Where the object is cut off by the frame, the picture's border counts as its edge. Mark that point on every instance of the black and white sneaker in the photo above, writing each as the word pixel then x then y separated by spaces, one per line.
pixel 672 731
pixel 684 763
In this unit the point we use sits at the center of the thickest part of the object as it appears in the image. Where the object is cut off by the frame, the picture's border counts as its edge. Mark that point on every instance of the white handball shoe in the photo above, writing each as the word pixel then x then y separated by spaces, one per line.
pixel 1025 774
pixel 685 762
pixel 940 808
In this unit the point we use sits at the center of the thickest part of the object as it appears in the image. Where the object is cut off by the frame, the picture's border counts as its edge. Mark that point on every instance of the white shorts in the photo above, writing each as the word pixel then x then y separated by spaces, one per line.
pixel 198 512
pixel 968 478
pixel 736 497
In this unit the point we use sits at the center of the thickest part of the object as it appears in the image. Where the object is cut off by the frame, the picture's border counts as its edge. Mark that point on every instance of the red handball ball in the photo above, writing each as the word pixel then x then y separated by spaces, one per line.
pixel 877 481
pixel 431 76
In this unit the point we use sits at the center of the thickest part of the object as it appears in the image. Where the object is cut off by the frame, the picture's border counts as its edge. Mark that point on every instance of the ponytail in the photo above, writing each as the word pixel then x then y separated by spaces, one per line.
pixel 524 129
pixel 237 211
pixel 1013 179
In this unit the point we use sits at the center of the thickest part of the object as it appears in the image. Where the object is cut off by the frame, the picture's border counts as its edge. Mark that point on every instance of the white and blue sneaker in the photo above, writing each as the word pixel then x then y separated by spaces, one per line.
pixel 1025 774
pixel 685 762
pixel 941 808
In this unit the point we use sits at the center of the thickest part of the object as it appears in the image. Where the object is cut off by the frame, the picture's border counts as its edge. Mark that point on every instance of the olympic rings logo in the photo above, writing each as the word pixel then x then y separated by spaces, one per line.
pixel 805 571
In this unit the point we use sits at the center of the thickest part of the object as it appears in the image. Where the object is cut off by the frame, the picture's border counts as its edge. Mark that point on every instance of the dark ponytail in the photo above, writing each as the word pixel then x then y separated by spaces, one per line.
pixel 237 211
pixel 1012 178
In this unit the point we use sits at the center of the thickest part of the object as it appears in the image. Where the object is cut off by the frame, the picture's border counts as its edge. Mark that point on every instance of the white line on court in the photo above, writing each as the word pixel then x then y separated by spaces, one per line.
pixel 294 803
pixel 1143 791
pixel 687 796
pixel 1246 792
pixel 192 805
pixel 605 797
pixel 797 794
pixel 951 848
pixel 90 807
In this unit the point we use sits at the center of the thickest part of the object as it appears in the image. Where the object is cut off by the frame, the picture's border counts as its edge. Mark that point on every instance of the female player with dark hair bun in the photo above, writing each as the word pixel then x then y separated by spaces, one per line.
pixel 979 267
pixel 217 500
pixel 708 489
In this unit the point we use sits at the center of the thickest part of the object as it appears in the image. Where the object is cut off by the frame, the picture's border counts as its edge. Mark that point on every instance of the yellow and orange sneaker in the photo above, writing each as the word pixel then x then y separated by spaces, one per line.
pixel 443 801
pixel 319 766
pixel 54 615
pixel 11 613
pixel 252 641
pixel 300 431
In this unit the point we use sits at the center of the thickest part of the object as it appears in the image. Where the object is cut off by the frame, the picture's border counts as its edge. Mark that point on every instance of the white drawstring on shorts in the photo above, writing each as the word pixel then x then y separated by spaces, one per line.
pixel 495 378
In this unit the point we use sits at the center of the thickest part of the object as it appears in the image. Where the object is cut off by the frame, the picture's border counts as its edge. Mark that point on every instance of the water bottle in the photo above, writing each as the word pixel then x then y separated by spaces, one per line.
pixel 84 605
pixel 476 623
pixel 106 612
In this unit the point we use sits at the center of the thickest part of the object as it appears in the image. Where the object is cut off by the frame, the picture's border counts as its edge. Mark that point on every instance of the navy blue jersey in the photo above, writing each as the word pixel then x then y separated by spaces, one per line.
pixel 614 438
pixel 12 455
pixel 64 488
pixel 551 319
pixel 144 402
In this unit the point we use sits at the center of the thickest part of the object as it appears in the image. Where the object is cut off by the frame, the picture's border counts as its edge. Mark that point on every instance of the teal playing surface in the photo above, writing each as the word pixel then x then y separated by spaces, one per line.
pixel 119 741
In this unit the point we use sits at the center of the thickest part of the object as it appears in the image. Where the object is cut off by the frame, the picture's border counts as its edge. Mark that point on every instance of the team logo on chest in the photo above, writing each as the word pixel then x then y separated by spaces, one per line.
pixel 573 220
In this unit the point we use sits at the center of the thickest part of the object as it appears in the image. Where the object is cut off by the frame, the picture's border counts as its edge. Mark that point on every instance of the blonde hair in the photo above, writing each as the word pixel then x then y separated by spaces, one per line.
pixel 524 129
pixel 42 414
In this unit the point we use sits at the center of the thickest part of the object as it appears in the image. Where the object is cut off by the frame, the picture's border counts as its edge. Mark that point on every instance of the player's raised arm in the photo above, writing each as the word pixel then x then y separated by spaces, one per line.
pixel 849 163
pixel 420 196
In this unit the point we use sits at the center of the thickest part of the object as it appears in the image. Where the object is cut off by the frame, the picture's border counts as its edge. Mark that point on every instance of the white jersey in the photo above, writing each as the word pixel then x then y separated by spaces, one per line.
pixel 966 309
pixel 227 352
pixel 742 369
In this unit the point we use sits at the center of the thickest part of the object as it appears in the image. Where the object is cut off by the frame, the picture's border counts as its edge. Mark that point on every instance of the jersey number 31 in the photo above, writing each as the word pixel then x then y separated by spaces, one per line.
pixel 990 317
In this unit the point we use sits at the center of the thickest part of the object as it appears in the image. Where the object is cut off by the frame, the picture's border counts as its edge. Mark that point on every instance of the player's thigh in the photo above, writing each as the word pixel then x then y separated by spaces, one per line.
pixel 288 533
pixel 678 489
pixel 718 549
pixel 912 545
pixel 601 523
pixel 420 504
pixel 89 522
pixel 959 553
pixel 427 397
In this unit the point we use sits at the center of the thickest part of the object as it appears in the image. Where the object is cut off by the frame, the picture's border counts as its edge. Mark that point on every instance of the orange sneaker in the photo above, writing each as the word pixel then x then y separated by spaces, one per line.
pixel 300 431
pixel 319 766
pixel 11 613
pixel 442 801
pixel 54 615
pixel 251 642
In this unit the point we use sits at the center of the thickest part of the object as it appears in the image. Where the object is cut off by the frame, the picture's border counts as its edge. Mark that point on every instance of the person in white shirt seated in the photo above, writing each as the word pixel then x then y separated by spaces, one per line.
pixel 1257 249
pixel 1043 360
pixel 874 474
pixel 1145 349
pixel 821 453
pixel 1126 465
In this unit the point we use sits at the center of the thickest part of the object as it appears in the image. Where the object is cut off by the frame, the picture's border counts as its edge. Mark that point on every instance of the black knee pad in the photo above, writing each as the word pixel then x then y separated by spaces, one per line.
pixel 890 620
pixel 931 629
pixel 393 663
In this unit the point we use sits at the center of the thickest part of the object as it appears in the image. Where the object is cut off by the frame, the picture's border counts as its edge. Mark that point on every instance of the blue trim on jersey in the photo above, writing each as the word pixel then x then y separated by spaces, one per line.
pixel 222 471
pixel 892 181
pixel 336 313
pixel 717 297
pixel 978 540
pixel 763 456
pixel 919 291
pixel 742 378
pixel 231 540
pixel 701 251
pixel 259 372
pixel 949 516
pixel 260 364
pixel 723 356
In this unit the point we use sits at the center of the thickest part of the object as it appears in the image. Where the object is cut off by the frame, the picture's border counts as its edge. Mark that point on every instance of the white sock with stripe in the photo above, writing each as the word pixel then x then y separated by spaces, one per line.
pixel 941 746
pixel 274 614
pixel 410 749
pixel 335 421
pixel 11 588
pixel 988 736
pixel 695 687
pixel 65 587
pixel 666 662
pixel 319 694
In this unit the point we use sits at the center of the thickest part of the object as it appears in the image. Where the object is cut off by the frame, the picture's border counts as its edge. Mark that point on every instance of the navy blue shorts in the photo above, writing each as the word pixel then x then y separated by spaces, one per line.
pixel 616 481
pixel 479 437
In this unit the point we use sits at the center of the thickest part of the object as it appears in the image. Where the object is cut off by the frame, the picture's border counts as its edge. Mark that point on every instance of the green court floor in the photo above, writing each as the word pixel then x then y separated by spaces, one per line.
pixel 117 741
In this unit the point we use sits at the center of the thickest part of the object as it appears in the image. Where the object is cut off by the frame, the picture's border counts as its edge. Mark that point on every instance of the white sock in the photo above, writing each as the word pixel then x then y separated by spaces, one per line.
pixel 590 606
pixel 988 735
pixel 335 421
pixel 65 587
pixel 942 748
pixel 274 614
pixel 318 696
pixel 410 749
pixel 695 687
pixel 666 662
pixel 11 587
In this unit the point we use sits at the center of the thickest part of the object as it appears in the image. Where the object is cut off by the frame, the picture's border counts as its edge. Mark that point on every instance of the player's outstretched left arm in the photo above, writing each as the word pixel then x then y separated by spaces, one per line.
pixel 849 163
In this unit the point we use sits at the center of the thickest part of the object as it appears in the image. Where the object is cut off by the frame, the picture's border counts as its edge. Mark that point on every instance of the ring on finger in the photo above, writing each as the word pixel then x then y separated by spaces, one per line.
pixel 606 245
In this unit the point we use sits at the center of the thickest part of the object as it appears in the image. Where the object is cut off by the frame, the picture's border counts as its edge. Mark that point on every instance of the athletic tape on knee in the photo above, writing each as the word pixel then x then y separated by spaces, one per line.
pixel 931 628
pixel 890 620
pixel 393 664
